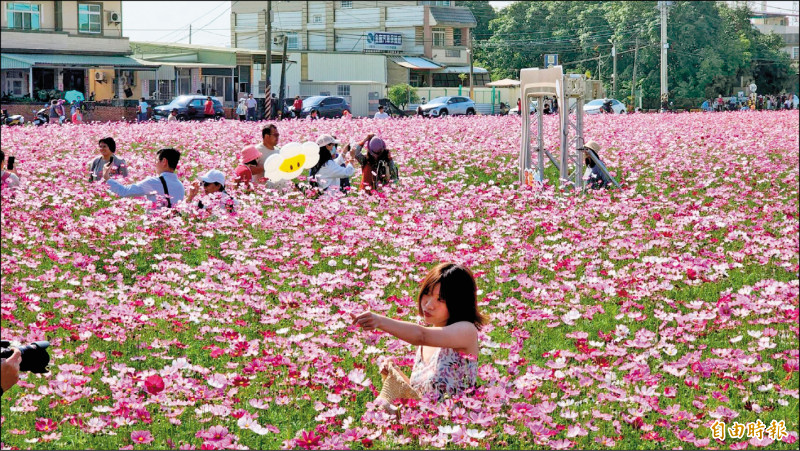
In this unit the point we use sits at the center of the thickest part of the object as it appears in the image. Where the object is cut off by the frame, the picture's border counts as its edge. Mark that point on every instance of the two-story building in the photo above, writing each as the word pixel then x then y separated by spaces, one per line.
pixel 66 46
pixel 222 72
pixel 346 43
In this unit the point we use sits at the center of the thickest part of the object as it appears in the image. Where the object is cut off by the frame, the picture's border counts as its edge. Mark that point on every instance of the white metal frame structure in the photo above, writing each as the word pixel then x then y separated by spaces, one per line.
pixel 535 84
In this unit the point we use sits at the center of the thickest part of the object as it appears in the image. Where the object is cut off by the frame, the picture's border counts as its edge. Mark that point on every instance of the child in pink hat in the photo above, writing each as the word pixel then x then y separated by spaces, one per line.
pixel 248 158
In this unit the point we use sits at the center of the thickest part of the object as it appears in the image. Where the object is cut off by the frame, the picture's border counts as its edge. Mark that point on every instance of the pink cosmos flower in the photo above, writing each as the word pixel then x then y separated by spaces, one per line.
pixel 143 437
pixel 45 425
pixel 154 384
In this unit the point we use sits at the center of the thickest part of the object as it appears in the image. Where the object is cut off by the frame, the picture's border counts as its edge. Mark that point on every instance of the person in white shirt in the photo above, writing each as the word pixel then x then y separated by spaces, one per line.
pixel 214 192
pixel 251 108
pixel 10 179
pixel 268 147
pixel 153 188
pixel 327 172
pixel 381 114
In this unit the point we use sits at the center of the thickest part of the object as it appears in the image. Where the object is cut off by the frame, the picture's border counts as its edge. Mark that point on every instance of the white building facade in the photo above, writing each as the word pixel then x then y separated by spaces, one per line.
pixel 422 43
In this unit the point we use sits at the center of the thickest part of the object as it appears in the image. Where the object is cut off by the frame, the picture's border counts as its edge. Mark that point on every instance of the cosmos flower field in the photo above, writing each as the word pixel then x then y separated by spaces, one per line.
pixel 620 319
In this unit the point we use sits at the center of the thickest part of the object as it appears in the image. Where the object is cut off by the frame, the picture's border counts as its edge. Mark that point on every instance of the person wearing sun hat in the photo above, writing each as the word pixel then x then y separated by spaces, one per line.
pixel 376 152
pixel 327 172
pixel 597 178
pixel 213 183
pixel 249 159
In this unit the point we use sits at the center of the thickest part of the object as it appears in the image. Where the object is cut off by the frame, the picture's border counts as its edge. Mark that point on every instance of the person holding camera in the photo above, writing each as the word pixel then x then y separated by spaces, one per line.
pixel 107 148
pixel 9 371
pixel 9 177
pixel 328 172
pixel 155 189
pixel 377 166
pixel 213 183
pixel 31 358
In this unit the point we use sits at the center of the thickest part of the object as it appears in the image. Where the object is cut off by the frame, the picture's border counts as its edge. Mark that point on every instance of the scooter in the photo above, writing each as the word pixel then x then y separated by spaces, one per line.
pixel 41 118
pixel 16 119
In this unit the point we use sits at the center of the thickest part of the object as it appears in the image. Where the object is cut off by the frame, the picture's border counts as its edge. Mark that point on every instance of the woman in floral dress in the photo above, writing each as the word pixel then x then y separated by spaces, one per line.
pixel 446 362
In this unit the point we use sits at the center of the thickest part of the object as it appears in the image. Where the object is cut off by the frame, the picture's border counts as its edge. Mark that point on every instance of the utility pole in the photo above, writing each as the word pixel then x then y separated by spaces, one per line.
pixel 190 33
pixel 471 76
pixel 599 78
pixel 633 85
pixel 282 94
pixel 614 79
pixel 268 47
pixel 662 5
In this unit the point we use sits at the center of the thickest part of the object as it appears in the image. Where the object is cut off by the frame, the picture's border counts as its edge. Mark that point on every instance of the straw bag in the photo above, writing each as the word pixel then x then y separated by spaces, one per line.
pixel 396 384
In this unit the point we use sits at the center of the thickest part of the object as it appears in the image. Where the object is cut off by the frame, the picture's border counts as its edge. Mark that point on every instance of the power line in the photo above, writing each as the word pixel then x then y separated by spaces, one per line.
pixel 178 29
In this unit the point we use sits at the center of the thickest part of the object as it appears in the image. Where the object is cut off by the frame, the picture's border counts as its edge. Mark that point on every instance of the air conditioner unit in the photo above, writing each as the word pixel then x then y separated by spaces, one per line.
pixel 99 76
pixel 277 40
pixel 113 17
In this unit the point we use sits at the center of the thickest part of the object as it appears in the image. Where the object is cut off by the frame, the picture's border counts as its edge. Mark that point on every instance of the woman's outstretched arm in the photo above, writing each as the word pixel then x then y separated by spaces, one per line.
pixel 460 335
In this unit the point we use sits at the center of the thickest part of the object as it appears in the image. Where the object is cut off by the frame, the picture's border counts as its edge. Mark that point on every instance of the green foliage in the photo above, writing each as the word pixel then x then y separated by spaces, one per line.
pixel 402 94
pixel 712 46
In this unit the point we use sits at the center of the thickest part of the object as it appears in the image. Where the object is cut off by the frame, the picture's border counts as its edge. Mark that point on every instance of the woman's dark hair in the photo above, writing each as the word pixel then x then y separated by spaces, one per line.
pixel 3 154
pixel 324 157
pixel 253 161
pixel 457 289
pixel 109 141
pixel 590 162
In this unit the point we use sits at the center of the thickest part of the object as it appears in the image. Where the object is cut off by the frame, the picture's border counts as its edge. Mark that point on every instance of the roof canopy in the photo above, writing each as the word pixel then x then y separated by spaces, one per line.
pixel 415 62
pixel 25 61
pixel 504 83
pixel 462 70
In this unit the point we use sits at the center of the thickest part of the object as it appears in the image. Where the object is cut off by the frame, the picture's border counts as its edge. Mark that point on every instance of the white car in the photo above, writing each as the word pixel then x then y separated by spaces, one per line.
pixel 596 106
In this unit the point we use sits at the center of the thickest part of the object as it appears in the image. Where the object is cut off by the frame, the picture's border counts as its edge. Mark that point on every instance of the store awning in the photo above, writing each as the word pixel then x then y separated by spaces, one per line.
pixel 25 60
pixel 462 70
pixel 415 62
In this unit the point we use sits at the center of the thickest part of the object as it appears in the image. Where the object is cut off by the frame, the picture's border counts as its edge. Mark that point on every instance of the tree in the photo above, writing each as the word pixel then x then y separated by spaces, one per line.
pixel 402 94
pixel 713 47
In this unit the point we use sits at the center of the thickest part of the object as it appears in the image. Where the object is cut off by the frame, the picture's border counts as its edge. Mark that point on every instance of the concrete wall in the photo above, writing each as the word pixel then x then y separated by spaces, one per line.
pixel 102 90
pixel 62 42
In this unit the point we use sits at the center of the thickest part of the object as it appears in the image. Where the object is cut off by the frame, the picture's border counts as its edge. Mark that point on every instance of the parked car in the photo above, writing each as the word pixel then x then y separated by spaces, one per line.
pixel 189 107
pixel 450 105
pixel 325 106
pixel 596 106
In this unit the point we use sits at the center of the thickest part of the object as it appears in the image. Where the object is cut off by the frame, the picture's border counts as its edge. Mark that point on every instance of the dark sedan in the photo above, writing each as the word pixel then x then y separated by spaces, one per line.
pixel 325 106
pixel 189 108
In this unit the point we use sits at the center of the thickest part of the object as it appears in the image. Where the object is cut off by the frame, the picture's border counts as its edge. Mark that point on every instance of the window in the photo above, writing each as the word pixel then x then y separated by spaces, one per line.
pixel 23 16
pixel 247 21
pixel 795 52
pixel 438 37
pixel 343 90
pixel 89 18
pixel 184 82
pixel 449 53
pixel 457 36
pixel 347 4
pixel 292 41
pixel 43 79
pixel 316 18
pixel 437 3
